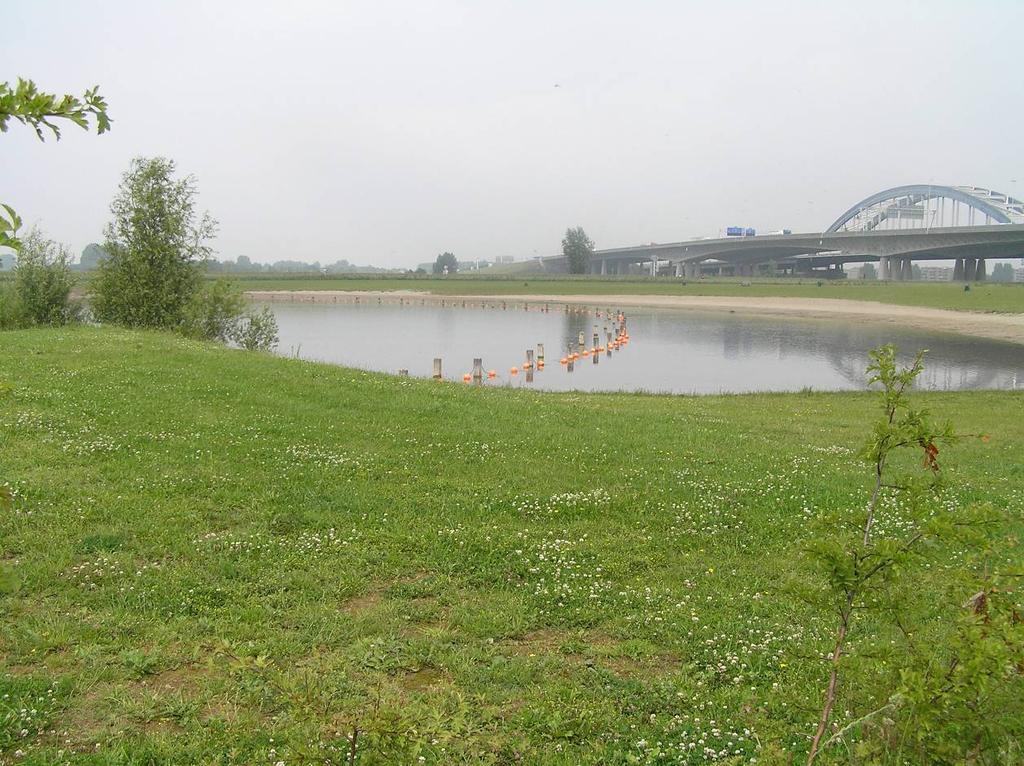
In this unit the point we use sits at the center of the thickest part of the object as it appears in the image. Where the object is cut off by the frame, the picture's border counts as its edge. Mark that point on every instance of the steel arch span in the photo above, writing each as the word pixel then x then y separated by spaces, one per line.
pixel 929 206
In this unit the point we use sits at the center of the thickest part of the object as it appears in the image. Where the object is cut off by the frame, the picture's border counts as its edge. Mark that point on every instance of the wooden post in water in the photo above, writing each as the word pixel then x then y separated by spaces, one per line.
pixel 540 352
pixel 529 359
pixel 478 370
pixel 608 342
pixel 597 338
pixel 582 340
pixel 437 368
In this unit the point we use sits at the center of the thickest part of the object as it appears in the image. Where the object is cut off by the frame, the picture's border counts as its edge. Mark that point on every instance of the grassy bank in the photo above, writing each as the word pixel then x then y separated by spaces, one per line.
pixel 223 557
pixel 981 297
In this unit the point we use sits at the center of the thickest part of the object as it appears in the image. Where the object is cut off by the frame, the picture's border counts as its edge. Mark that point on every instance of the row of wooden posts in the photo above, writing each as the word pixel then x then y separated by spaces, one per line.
pixel 538 362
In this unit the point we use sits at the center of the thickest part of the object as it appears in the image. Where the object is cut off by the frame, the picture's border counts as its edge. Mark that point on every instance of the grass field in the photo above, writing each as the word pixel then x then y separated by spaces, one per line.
pixel 987 296
pixel 223 557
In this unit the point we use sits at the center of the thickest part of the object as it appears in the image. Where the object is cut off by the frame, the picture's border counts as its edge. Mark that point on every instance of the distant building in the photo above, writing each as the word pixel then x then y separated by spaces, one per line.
pixel 936 274
pixel 502 260
pixel 1018 274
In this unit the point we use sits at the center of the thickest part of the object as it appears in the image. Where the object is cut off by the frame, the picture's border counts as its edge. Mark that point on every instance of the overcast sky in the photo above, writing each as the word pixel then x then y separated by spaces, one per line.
pixel 385 133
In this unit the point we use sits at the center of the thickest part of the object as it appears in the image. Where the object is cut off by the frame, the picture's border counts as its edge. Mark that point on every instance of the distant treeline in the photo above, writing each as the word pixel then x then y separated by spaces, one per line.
pixel 94 254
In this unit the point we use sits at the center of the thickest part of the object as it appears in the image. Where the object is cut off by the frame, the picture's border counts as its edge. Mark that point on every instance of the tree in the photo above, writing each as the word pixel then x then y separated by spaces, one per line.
pixel 157 244
pixel 29 106
pixel 92 256
pixel 446 263
pixel 869 271
pixel 41 289
pixel 578 248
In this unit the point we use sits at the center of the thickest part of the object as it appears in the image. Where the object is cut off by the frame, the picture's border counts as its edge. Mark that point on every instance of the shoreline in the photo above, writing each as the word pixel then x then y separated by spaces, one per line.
pixel 1002 327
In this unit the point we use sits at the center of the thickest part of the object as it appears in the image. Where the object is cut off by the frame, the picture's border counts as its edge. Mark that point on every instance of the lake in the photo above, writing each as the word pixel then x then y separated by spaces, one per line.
pixel 673 351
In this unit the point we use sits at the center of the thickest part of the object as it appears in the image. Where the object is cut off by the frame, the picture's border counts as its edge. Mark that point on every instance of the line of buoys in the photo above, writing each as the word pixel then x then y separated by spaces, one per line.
pixel 491 374
pixel 514 371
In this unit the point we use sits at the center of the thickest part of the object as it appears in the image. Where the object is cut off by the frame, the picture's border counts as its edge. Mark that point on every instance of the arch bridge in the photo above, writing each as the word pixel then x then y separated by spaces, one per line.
pixel 965 224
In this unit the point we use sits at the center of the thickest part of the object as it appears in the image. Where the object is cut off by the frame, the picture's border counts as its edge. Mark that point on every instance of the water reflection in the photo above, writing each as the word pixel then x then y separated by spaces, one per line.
pixel 675 351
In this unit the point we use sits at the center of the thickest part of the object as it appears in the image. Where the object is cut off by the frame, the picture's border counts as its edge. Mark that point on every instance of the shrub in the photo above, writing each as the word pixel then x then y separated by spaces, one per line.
pixel 213 312
pixel 256 331
pixel 40 293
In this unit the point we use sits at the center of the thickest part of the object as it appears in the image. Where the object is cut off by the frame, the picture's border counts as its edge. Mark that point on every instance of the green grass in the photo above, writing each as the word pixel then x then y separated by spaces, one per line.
pixel 988 296
pixel 223 557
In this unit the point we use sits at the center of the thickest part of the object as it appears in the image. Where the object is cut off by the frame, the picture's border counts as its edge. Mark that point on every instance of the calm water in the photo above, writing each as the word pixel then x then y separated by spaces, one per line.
pixel 670 351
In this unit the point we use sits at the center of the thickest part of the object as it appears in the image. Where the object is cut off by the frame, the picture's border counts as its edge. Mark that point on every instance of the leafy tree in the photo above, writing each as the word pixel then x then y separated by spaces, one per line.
pixel 869 271
pixel 29 106
pixel 157 243
pixel 578 248
pixel 446 263
pixel 92 256
pixel 40 294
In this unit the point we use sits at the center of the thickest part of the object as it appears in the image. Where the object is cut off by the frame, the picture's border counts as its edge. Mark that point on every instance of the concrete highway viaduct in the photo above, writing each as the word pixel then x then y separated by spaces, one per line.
pixel 893 228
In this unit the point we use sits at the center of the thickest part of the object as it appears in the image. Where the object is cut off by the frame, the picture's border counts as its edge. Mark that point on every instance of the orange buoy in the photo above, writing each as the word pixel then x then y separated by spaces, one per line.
pixel 492 373
pixel 586 352
pixel 514 371
pixel 563 360
pixel 466 378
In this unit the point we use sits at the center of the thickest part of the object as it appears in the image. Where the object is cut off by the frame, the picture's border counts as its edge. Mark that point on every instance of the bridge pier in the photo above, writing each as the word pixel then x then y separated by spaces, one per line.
pixel 678 269
pixel 979 272
pixel 908 270
pixel 604 266
pixel 970 267
pixel 883 268
pixel 958 270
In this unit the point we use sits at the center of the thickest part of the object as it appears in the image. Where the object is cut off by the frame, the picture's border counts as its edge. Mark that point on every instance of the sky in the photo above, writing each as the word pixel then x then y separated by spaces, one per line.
pixel 385 133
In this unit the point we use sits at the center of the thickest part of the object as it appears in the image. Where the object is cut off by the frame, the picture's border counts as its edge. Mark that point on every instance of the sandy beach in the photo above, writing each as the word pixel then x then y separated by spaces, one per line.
pixel 1003 327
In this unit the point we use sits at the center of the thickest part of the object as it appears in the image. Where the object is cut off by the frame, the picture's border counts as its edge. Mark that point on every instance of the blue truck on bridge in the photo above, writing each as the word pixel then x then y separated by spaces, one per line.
pixel 739 231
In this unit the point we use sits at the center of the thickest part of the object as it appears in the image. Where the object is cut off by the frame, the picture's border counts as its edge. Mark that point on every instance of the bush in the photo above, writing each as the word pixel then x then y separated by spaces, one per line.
pixel 213 312
pixel 217 312
pixel 10 313
pixel 40 293
pixel 256 331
